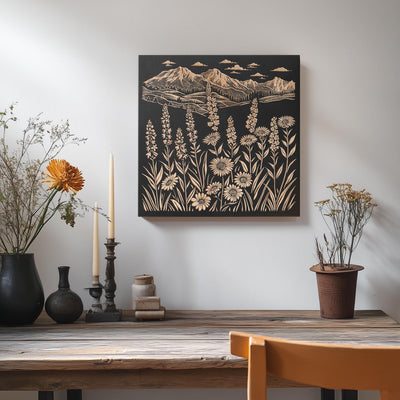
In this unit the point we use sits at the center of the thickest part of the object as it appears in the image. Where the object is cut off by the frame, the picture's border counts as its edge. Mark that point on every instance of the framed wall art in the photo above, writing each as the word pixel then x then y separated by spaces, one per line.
pixel 219 135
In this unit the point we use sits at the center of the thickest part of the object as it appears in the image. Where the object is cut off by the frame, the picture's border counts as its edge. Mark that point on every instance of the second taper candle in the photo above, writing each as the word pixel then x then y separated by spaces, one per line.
pixel 95 262
pixel 111 226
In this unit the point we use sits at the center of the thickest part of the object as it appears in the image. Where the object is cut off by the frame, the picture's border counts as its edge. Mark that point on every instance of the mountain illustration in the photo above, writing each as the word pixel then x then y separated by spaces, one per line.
pixel 180 78
pixel 181 88
pixel 226 85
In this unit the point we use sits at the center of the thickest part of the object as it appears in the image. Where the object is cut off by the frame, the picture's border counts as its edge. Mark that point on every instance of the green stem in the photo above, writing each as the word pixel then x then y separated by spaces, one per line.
pixel 5 249
pixel 42 220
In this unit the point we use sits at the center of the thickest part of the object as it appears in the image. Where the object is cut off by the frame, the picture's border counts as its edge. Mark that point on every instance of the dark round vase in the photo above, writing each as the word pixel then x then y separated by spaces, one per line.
pixel 64 305
pixel 21 291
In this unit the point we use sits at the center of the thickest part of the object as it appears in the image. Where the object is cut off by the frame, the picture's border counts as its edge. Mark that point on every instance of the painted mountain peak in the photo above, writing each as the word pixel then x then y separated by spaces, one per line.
pixel 181 88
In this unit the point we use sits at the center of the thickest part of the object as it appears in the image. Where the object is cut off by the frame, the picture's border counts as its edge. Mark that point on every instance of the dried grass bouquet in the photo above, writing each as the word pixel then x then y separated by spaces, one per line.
pixel 345 214
pixel 25 205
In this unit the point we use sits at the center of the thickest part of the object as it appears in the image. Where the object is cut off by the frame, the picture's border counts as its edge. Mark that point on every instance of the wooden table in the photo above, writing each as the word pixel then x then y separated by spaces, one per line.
pixel 190 349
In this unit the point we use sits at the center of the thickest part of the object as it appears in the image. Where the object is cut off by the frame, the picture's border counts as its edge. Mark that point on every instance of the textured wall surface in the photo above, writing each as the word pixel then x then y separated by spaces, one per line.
pixel 79 60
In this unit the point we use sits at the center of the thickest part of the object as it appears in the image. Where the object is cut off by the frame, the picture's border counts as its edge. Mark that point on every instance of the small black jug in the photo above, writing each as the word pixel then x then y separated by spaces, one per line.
pixel 64 305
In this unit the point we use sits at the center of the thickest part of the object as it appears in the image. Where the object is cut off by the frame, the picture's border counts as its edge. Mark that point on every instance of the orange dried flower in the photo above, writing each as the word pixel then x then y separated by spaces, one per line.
pixel 63 176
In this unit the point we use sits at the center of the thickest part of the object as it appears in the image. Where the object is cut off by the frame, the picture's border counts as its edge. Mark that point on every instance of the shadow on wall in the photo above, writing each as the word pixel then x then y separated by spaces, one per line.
pixel 305 172
pixel 384 278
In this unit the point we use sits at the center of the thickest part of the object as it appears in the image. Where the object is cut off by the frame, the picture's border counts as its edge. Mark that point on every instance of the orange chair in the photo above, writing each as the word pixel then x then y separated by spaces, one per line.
pixel 319 365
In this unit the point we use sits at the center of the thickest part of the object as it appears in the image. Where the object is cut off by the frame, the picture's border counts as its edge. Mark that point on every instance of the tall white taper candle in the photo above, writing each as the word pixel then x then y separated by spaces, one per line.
pixel 95 259
pixel 111 227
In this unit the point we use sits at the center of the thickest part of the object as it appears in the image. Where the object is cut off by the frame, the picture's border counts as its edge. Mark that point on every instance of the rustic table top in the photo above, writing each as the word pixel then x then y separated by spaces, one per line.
pixel 185 350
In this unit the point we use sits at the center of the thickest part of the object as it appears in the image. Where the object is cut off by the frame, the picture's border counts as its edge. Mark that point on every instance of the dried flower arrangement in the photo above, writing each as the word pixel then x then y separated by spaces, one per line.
pixel 345 213
pixel 25 205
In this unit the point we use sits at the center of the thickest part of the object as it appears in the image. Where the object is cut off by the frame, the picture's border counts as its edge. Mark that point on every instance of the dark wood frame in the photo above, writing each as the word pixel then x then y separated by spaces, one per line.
pixel 176 175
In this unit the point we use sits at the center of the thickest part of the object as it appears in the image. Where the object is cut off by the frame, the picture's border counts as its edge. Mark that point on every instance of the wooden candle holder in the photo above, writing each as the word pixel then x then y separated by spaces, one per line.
pixel 109 312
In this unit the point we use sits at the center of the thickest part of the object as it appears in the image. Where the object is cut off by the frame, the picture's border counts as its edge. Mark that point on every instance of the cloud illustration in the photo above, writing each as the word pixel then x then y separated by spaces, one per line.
pixel 280 69
pixel 168 63
pixel 258 75
pixel 253 65
pixel 236 67
pixel 235 72
pixel 226 62
pixel 199 64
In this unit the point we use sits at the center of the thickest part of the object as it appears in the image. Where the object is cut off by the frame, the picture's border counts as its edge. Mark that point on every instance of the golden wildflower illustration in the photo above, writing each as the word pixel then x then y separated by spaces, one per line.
pixel 201 201
pixel 169 182
pixel 252 118
pixel 190 126
pixel 274 135
pixel 261 131
pixel 212 138
pixel 286 121
pixel 151 145
pixel 221 166
pixel 166 128
pixel 214 188
pixel 231 135
pixel 233 193
pixel 248 140
pixel 243 179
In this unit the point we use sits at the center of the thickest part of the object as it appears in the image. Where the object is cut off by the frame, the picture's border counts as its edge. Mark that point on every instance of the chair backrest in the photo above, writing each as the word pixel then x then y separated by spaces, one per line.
pixel 329 366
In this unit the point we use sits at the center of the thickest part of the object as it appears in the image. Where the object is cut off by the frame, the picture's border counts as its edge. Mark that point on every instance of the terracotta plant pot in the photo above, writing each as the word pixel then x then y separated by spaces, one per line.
pixel 337 290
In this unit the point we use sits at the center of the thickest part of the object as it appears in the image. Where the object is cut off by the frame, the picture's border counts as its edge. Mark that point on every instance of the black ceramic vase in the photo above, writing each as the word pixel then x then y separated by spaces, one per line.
pixel 64 305
pixel 21 291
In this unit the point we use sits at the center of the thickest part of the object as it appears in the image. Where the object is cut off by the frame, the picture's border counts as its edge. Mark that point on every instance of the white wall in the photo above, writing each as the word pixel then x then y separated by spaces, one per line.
pixel 78 60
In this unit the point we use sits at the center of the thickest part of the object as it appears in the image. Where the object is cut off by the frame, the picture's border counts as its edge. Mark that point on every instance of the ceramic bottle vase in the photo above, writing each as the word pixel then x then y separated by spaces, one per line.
pixel 64 306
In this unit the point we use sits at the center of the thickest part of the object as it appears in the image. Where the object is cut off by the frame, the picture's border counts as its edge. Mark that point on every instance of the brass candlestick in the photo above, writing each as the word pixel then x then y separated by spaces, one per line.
pixel 109 312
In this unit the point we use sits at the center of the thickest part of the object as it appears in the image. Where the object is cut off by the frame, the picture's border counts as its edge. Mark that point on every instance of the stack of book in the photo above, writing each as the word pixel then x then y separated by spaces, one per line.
pixel 149 307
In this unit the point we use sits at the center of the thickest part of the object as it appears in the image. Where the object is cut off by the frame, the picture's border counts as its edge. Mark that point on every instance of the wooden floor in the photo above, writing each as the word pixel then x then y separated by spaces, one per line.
pixel 190 349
